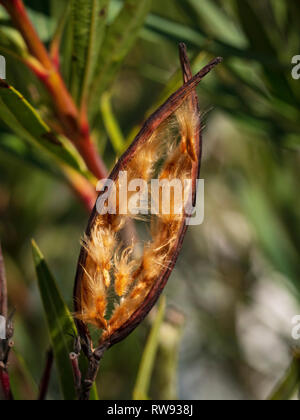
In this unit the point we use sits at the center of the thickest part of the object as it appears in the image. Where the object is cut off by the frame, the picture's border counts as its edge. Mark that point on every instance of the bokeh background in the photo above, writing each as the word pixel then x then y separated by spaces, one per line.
pixel 236 288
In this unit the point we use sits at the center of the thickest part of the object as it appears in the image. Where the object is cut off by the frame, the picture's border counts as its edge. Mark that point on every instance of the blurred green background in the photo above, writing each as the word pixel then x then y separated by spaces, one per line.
pixel 232 296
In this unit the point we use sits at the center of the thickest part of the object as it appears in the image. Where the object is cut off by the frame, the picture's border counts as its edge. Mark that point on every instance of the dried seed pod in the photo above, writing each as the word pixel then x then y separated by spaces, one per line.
pixel 169 144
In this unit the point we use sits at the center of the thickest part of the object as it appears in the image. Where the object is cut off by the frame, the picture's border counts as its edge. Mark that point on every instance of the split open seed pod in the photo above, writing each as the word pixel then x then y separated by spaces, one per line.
pixel 115 286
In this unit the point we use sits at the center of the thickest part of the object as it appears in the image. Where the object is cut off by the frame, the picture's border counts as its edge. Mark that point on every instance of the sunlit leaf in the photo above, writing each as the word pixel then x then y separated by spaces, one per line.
pixel 111 124
pixel 88 22
pixel 11 43
pixel 17 113
pixel 25 152
pixel 60 323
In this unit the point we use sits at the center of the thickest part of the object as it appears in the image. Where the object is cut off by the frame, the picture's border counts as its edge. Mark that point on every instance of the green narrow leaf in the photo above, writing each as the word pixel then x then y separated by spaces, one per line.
pixel 60 323
pixel 17 113
pixel 24 374
pixel 280 10
pixel 94 394
pixel 66 51
pixel 249 19
pixel 111 124
pixel 61 13
pixel 23 151
pixel 11 43
pixel 58 8
pixel 163 28
pixel 118 41
pixel 166 376
pixel 287 387
pixel 44 24
pixel 272 234
pixel 89 18
pixel 61 326
pixel 261 43
pixel 147 364
pixel 217 23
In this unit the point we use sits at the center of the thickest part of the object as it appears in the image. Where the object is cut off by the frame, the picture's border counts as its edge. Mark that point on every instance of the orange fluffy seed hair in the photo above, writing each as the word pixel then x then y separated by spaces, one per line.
pixel 111 274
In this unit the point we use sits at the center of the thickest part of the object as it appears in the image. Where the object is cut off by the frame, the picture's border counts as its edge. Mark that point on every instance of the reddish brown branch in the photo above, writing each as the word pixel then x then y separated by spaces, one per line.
pixel 5 384
pixel 74 125
pixel 44 385
pixel 7 343
pixel 3 287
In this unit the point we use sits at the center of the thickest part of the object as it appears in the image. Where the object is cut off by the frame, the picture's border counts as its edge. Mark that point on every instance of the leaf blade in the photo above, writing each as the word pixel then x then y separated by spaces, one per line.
pixel 263 46
pixel 59 321
pixel 147 363
pixel 88 19
pixel 118 41
pixel 19 115
pixel 111 124
pixel 288 384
